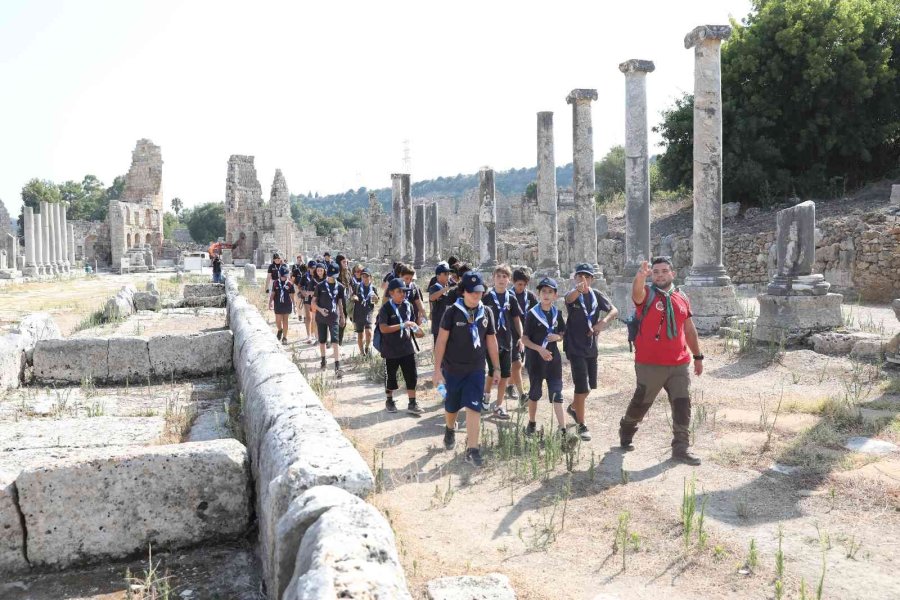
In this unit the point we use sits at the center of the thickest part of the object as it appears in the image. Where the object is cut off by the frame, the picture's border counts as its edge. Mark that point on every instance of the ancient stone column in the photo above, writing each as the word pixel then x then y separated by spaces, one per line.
pixel 432 233
pixel 38 243
pixel 546 224
pixel 397 227
pixel 637 165
pixel 54 237
pixel 70 242
pixel 708 284
pixel 28 230
pixel 419 237
pixel 487 219
pixel 46 229
pixel 406 201
pixel 585 242
pixel 63 236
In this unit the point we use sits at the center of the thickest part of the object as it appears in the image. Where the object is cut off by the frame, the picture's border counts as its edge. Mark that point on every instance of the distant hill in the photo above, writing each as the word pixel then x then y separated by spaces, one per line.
pixel 509 183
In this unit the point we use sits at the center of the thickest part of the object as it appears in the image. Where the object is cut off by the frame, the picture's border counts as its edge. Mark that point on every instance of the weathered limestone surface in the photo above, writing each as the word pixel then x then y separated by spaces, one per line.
pixel 195 355
pixel 793 318
pixel 12 536
pixel 487 587
pixel 546 222
pixel 34 328
pixel 147 301
pixel 250 274
pixel 167 496
pixel 432 232
pixel 12 361
pixel 199 302
pixel 349 552
pixel 419 239
pixel 406 205
pixel 398 230
pixel 487 219
pixel 795 250
pixel 895 195
pixel 128 360
pixel 71 360
pixel 838 343
pixel 203 290
pixel 30 269
pixel 121 305
pixel 892 348
pixel 585 238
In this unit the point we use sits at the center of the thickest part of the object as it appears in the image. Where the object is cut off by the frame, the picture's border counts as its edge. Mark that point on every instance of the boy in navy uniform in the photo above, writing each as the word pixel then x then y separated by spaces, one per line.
pixel 437 296
pixel 544 327
pixel 272 272
pixel 466 338
pixel 364 300
pixel 526 300
pixel 328 304
pixel 508 324
pixel 396 324
pixel 413 293
pixel 281 300
pixel 583 324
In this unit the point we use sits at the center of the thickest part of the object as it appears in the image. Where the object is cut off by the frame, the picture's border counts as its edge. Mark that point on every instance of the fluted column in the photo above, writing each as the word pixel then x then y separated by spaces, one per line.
pixel 46 221
pixel 63 234
pixel 547 222
pixel 30 269
pixel 585 243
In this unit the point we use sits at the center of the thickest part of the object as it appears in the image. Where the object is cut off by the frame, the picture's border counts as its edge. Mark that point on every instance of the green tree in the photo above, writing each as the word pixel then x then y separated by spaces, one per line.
pixel 531 191
pixel 170 222
pixel 610 174
pixel 810 92
pixel 206 222
pixel 177 205
pixel 676 164
pixel 39 190
pixel 114 192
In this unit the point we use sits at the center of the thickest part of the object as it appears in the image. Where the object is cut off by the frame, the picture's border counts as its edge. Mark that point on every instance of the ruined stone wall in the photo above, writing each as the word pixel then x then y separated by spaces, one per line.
pixel 143 183
pixel 131 225
pixel 92 242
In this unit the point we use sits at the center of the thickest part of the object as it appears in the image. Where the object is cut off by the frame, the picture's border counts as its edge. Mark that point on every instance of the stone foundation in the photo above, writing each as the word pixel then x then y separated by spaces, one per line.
pixel 711 306
pixel 792 319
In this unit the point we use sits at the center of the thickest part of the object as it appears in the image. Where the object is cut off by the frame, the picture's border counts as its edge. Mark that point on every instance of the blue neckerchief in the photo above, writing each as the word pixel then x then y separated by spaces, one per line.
pixel 538 313
pixel 364 295
pixel 589 314
pixel 523 304
pixel 333 294
pixel 281 287
pixel 473 323
pixel 411 290
pixel 403 330
pixel 501 320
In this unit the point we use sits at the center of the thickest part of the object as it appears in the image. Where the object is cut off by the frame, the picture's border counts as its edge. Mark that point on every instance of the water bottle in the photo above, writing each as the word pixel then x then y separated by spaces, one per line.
pixel 442 390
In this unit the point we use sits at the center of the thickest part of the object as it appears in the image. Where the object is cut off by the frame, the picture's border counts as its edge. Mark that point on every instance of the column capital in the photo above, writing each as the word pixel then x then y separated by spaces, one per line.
pixel 707 32
pixel 581 94
pixel 399 175
pixel 636 65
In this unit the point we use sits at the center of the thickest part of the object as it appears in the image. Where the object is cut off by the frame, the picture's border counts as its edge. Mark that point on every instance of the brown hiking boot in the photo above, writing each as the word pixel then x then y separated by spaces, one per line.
pixel 683 455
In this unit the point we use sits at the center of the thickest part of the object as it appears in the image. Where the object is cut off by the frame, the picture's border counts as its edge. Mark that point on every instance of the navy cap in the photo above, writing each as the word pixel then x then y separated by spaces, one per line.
pixel 332 269
pixel 283 271
pixel 366 271
pixel 547 282
pixel 441 268
pixel 584 268
pixel 311 264
pixel 472 282
pixel 397 284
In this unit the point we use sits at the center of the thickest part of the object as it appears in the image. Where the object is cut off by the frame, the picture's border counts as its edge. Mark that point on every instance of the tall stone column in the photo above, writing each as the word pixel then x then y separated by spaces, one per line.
pixel 637 181
pixel 487 219
pixel 70 243
pixel 38 243
pixel 585 246
pixel 53 216
pixel 406 201
pixel 547 222
pixel 63 235
pixel 28 225
pixel 46 224
pixel 419 237
pixel 432 233
pixel 397 230
pixel 708 284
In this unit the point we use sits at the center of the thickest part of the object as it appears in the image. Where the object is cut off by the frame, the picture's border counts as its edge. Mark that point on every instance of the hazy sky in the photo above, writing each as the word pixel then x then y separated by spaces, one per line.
pixel 326 91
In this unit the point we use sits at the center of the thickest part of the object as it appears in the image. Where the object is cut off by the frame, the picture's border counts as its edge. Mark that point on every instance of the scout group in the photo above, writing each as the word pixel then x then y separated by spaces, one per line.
pixel 502 329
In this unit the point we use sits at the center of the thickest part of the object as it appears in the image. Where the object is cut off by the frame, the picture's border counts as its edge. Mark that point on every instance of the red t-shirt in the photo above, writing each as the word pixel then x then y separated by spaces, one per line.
pixel 653 346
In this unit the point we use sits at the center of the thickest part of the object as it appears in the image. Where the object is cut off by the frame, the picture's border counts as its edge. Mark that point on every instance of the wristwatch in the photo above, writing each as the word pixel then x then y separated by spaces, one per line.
pixel 698 357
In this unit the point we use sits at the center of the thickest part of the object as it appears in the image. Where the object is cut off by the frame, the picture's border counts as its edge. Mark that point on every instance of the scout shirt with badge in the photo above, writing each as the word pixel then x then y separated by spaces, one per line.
pixel 538 325
pixel 283 296
pixel 398 343
pixel 505 309
pixel 368 298
pixel 661 339
pixel 583 314
pixel 466 350
pixel 439 306
pixel 327 296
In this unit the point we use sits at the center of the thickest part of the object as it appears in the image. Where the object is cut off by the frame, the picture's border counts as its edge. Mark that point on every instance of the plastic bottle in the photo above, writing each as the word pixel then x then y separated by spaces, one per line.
pixel 442 390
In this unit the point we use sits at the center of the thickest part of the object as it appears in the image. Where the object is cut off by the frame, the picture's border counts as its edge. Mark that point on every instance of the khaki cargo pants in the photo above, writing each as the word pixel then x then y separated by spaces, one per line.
pixel 676 380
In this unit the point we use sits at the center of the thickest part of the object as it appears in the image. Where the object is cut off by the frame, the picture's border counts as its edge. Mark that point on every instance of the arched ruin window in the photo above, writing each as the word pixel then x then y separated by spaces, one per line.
pixel 128 241
pixel 147 240
pixel 149 219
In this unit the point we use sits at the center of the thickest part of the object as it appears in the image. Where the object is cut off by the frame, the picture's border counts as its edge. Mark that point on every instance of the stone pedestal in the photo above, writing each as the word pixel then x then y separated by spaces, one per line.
pixel 227 256
pixel 711 306
pixel 486 220
pixel 791 319
pixel 546 223
pixel 250 274
pixel 585 242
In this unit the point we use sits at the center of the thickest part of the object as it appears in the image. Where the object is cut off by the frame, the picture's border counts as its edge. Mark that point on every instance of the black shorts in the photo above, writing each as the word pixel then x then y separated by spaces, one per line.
pixel 514 354
pixel 324 329
pixel 505 365
pixel 407 365
pixel 284 309
pixel 584 373
pixel 539 371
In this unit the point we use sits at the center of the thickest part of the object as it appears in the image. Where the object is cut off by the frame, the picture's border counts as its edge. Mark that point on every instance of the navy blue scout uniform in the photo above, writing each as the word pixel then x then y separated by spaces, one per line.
pixel 538 325
pixel 284 292
pixel 362 310
pixel 439 306
pixel 397 347
pixel 580 347
pixel 526 301
pixel 327 296
pixel 505 309
pixel 466 351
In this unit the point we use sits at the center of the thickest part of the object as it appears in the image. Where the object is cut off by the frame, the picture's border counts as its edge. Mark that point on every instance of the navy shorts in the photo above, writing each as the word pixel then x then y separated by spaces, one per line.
pixel 464 391
pixel 324 329
pixel 505 365
pixel 584 373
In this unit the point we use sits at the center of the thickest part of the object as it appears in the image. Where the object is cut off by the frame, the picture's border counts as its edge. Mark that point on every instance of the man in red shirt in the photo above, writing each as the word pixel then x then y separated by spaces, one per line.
pixel 665 344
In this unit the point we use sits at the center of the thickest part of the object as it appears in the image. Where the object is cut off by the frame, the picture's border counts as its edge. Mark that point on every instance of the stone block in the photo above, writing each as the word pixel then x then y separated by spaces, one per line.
pixel 488 587
pixel 869 350
pixel 34 328
pixel 201 302
pixel 203 290
pixel 12 536
pixel 896 306
pixel 792 319
pixel 300 516
pixel 731 209
pixel 147 301
pixel 128 359
pixel 839 343
pixel 250 274
pixel 711 306
pixel 349 552
pixel 168 496
pixel 895 195
pixel 12 361
pixel 71 360
pixel 121 305
pixel 194 355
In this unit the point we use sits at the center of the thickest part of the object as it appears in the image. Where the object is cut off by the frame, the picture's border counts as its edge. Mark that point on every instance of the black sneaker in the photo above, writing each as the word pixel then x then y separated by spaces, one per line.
pixel 485 405
pixel 473 457
pixel 322 362
pixel 583 432
pixel 278 335
pixel 684 456
pixel 523 400
pixel 449 438
pixel 570 410
pixel 531 430
pixel 390 405
pixel 626 446
pixel 414 409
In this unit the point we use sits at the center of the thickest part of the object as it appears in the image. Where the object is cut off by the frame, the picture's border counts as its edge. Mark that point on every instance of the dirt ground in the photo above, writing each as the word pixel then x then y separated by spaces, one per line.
pixel 554 529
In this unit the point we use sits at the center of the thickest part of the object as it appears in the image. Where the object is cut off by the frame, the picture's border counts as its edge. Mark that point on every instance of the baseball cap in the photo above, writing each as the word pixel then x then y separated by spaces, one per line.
pixel 311 264
pixel 472 282
pixel 547 282
pixel 397 284
pixel 283 271
pixel 442 268
pixel 366 271
pixel 332 269
pixel 584 268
